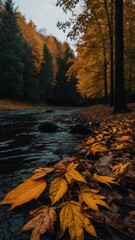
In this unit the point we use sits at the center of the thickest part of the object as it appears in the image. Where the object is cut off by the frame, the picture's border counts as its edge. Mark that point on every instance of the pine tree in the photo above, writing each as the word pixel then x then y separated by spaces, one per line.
pixel 46 76
pixel 11 52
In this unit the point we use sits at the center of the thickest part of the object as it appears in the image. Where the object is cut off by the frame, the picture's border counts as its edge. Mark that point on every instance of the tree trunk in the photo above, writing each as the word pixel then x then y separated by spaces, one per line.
pixel 120 99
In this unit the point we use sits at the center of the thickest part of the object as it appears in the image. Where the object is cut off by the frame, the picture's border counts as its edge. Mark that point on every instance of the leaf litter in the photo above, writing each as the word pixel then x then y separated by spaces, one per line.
pixel 92 191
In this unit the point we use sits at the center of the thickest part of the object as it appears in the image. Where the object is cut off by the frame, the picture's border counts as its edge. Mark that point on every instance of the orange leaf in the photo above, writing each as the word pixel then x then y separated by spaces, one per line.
pixel 105 179
pixel 58 188
pixel 72 174
pixel 25 192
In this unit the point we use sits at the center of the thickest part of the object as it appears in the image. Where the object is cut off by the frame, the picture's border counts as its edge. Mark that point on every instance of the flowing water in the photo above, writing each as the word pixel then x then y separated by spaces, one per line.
pixel 22 149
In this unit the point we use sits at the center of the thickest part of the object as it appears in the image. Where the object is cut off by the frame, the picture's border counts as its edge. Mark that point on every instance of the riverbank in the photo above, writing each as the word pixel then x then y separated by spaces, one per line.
pixel 16 105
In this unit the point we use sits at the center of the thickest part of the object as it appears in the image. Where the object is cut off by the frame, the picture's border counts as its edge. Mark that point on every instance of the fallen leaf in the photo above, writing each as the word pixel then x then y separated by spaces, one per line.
pixel 105 179
pixel 90 140
pixel 91 198
pixel 72 218
pixel 119 147
pixel 57 189
pixel 25 192
pixel 97 147
pixel 41 172
pixel 100 137
pixel 44 219
pixel 120 168
pixel 73 175
pixel 123 138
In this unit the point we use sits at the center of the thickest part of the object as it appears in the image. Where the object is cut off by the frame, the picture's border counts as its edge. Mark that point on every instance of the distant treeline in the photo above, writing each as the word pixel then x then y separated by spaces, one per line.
pixel 33 67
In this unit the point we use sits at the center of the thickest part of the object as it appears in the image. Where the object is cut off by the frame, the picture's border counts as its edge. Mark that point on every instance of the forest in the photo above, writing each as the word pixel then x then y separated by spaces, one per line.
pixel 44 70
pixel 72 168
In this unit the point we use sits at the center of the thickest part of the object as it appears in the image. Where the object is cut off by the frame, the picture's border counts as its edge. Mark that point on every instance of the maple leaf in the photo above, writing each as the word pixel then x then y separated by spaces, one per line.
pixel 119 147
pixel 25 192
pixel 57 189
pixel 105 179
pixel 91 198
pixel 96 147
pixel 123 138
pixel 72 218
pixel 41 172
pixel 120 168
pixel 71 174
pixel 44 219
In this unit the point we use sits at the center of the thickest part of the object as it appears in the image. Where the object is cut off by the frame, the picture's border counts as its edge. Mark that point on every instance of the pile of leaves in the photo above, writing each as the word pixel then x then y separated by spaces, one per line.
pixel 90 193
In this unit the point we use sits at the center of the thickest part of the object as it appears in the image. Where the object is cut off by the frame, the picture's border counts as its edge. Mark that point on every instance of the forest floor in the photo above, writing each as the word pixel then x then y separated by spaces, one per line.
pixel 110 152
pixel 16 105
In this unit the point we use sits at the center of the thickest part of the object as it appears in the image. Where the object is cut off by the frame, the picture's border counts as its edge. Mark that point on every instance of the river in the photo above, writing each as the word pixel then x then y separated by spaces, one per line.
pixel 22 149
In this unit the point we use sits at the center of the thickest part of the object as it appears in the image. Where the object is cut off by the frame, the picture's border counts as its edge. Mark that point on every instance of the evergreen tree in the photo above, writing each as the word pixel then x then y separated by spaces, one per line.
pixel 65 90
pixel 31 90
pixel 11 52
pixel 46 76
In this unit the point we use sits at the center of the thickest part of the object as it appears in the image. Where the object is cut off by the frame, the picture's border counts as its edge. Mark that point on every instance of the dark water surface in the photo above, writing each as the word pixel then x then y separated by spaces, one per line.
pixel 22 149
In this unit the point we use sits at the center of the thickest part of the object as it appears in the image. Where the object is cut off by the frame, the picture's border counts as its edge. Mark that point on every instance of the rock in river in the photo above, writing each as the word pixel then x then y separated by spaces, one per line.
pixel 48 127
pixel 80 129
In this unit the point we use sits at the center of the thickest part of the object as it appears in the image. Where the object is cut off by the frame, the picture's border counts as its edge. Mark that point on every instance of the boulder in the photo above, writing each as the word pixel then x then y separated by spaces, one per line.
pixel 48 127
pixel 80 129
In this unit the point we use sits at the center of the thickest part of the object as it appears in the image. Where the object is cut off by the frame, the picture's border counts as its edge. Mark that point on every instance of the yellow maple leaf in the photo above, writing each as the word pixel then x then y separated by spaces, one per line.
pixel 105 179
pixel 97 147
pixel 123 138
pixel 72 218
pixel 41 172
pixel 91 198
pixel 73 175
pixel 120 168
pixel 119 147
pixel 44 219
pixel 25 192
pixel 57 189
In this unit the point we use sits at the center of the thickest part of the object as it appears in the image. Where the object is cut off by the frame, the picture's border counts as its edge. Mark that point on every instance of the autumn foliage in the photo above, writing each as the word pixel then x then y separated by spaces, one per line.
pixel 94 187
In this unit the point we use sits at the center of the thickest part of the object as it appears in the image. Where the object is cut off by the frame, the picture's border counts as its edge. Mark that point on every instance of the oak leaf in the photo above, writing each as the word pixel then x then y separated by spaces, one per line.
pixel 72 218
pixel 73 175
pixel 25 192
pixel 91 198
pixel 105 179
pixel 41 172
pixel 97 147
pixel 120 168
pixel 44 219
pixel 57 189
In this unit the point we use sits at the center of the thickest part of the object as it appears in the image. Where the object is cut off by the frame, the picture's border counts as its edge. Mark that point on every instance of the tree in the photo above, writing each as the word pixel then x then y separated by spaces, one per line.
pixel 65 92
pixel 46 76
pixel 11 52
pixel 120 98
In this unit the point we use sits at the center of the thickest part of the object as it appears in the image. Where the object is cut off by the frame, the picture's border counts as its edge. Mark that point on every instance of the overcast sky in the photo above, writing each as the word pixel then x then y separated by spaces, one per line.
pixel 44 14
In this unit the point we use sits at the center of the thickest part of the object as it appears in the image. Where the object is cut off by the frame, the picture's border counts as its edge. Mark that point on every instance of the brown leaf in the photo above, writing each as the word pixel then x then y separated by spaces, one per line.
pixel 41 172
pixel 44 219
